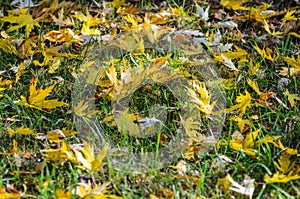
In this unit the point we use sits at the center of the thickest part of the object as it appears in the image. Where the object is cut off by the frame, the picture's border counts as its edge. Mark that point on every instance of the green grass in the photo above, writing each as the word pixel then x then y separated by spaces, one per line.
pixel 27 167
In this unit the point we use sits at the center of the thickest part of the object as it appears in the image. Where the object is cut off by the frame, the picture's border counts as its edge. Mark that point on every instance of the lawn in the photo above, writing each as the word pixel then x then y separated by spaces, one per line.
pixel 149 99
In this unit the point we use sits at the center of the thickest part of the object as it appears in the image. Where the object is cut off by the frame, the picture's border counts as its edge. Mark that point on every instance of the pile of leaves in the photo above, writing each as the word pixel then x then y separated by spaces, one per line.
pixel 45 47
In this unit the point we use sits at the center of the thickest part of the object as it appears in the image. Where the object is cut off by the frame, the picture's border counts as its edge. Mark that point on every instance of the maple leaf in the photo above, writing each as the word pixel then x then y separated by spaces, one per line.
pixel 21 131
pixel 243 124
pixel 60 20
pixel 295 66
pixel 260 14
pixel 87 159
pixel 201 96
pixel 280 177
pixel 267 54
pixel 291 97
pixel 254 86
pixel 22 19
pixel 284 163
pixel 243 101
pixel 7 46
pixel 239 143
pixel 4 194
pixel 37 98
pixel 11 151
pixel 89 190
pixel 234 5
pixel 289 16
pixel 89 22
pixel 275 34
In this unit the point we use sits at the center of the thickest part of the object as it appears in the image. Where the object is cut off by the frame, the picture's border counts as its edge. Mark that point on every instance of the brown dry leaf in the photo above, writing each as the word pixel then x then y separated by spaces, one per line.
pixel 60 21
pixel 37 98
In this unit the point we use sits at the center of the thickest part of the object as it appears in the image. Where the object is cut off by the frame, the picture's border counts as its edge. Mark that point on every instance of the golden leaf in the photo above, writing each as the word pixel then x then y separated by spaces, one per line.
pixel 21 18
pixel 289 16
pixel 243 101
pixel 295 66
pixel 21 131
pixel 279 177
pixel 247 144
pixel 253 85
pixel 201 96
pixel 234 5
pixel 291 97
pixel 87 159
pixel 7 46
pixel 37 98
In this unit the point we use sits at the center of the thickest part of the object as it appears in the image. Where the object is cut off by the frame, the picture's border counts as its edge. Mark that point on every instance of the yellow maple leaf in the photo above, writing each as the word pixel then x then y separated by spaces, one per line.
pixel 243 124
pixel 12 195
pixel 86 157
pixel 21 18
pixel 246 145
pixel 37 98
pixel 201 96
pixel 260 13
pixel 253 85
pixel 84 109
pixel 284 163
pixel 275 34
pixel 295 66
pixel 289 16
pixel 21 69
pixel 7 46
pixel 243 101
pixel 267 53
pixel 280 177
pixel 291 97
pixel 89 22
pixel 21 131
pixel 234 5
pixel 11 151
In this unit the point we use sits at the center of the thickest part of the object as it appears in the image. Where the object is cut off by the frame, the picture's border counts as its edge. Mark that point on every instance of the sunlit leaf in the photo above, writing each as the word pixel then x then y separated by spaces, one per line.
pixel 291 97
pixel 201 96
pixel 37 98
pixel 21 131
pixel 280 177
pixel 243 101
pixel 234 5
pixel 22 19
pixel 289 16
